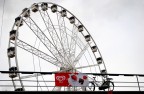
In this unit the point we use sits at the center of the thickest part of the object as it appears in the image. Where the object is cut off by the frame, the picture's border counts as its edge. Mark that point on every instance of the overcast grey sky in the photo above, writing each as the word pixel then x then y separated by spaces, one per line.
pixel 117 27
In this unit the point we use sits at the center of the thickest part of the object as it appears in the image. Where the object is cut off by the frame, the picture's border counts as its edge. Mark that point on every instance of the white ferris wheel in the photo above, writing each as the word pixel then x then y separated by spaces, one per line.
pixel 48 38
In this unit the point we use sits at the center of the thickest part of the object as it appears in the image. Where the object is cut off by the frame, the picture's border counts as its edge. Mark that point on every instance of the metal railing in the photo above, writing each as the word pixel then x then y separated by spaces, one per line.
pixel 122 82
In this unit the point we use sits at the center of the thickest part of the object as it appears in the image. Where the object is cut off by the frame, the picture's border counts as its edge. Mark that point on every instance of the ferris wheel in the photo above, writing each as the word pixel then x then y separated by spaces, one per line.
pixel 48 38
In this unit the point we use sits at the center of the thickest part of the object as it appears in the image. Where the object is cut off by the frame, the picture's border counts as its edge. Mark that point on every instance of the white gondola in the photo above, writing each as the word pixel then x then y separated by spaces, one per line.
pixel 54 8
pixel 87 38
pixel 80 28
pixel 18 22
pixel 26 12
pixel 63 13
pixel 94 48
pixel 99 60
pixel 35 7
pixel 62 68
pixel 12 70
pixel 19 89
pixel 72 20
pixel 11 52
pixel 44 6
pixel 12 34
pixel 103 71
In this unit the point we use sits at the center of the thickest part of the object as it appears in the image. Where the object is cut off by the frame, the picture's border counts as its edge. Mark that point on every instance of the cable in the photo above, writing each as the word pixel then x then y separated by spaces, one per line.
pixel 40 70
pixel 2 23
pixel 34 67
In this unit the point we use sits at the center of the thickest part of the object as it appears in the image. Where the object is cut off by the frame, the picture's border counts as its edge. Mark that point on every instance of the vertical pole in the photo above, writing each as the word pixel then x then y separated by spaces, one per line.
pixel 37 81
pixel 138 82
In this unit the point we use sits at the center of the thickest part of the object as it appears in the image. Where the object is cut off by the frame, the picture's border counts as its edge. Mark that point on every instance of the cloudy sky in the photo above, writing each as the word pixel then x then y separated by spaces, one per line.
pixel 117 27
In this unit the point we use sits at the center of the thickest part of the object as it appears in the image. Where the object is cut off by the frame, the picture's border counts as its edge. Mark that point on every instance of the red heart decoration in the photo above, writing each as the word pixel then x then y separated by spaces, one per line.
pixel 74 77
pixel 84 77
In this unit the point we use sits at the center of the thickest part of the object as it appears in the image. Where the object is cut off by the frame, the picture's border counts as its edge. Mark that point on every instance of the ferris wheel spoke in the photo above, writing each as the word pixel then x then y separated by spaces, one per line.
pixel 80 54
pixel 54 36
pixel 37 52
pixel 79 41
pixel 73 43
pixel 63 36
pixel 49 26
pixel 42 37
pixel 61 45
pixel 86 66
pixel 82 46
